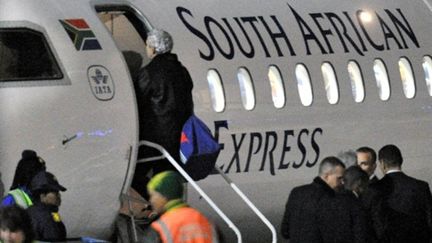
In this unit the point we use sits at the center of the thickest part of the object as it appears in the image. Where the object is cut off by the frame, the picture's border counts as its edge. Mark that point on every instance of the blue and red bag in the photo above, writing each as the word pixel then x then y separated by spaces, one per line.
pixel 198 148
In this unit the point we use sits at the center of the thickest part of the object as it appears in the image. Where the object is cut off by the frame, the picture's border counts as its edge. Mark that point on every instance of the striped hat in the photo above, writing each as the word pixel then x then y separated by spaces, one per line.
pixel 168 183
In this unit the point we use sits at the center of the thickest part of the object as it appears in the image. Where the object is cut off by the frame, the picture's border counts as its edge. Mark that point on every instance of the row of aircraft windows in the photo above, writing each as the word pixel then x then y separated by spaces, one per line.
pixel 304 86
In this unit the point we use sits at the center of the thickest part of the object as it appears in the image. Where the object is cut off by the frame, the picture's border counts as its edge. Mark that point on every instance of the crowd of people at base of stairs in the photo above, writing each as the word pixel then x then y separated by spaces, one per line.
pixel 353 205
pixel 340 205
pixel 34 213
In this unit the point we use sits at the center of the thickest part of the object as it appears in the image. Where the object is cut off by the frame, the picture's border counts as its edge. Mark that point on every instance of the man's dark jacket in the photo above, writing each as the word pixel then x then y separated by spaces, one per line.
pixel 402 209
pixel 373 180
pixel 164 93
pixel 300 220
pixel 343 219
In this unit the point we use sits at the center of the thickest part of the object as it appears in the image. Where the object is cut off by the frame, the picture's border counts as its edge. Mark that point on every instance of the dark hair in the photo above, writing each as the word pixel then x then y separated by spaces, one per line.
pixel 329 164
pixel 370 151
pixel 28 166
pixel 354 176
pixel 14 218
pixel 390 155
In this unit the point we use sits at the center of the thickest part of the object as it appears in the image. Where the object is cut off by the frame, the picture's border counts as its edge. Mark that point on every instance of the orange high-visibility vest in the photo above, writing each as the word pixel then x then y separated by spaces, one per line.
pixel 184 225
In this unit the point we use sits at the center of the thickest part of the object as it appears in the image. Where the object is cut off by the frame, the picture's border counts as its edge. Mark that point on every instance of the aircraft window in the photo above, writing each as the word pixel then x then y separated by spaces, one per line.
pixel 356 81
pixel 246 88
pixel 277 88
pixel 407 77
pixel 330 83
pixel 304 85
pixel 216 90
pixel 25 55
pixel 382 79
pixel 427 68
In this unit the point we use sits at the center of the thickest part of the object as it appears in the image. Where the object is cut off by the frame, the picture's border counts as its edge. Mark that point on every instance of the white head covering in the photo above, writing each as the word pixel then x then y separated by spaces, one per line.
pixel 160 40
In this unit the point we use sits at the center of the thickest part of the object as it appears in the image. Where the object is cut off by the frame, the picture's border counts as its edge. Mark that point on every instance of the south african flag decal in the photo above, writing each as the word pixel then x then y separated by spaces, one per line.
pixel 81 34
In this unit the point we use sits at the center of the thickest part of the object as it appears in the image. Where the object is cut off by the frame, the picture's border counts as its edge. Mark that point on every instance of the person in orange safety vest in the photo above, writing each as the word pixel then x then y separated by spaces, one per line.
pixel 177 222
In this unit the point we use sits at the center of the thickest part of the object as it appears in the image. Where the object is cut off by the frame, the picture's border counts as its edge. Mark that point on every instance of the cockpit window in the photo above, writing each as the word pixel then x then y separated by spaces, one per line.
pixel 25 55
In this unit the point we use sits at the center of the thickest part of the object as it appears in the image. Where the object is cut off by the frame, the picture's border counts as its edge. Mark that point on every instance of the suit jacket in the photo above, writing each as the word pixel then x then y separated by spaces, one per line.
pixel 343 219
pixel 401 208
pixel 299 223
pixel 373 180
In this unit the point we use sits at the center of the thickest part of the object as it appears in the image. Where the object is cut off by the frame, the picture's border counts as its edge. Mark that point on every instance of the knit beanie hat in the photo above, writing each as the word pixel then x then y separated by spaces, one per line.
pixel 167 183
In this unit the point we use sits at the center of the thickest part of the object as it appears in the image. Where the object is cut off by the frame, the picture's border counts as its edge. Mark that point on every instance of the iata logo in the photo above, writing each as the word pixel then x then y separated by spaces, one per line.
pixel 101 82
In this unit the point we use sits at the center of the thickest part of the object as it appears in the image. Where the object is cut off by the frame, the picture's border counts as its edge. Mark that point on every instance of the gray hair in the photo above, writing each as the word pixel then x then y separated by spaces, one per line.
pixel 348 157
pixel 160 40
pixel 329 164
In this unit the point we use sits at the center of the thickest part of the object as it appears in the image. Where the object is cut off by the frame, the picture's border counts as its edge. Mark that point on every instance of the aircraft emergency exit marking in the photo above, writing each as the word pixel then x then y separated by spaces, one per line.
pixel 325 32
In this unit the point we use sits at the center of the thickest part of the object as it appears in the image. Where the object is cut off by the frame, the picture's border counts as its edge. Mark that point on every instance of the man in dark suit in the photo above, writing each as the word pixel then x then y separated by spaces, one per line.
pixel 300 221
pixel 366 160
pixel 344 219
pixel 404 212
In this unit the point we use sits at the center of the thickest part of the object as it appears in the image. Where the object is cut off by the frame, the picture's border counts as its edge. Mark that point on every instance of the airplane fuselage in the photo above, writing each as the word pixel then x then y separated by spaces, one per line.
pixel 298 81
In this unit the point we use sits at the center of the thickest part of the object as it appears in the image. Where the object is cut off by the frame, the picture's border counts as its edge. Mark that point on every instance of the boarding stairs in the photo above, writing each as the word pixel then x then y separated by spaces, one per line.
pixel 164 154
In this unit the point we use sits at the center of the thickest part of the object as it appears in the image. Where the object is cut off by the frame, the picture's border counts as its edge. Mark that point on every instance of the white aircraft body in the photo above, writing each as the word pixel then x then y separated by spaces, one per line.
pixel 282 84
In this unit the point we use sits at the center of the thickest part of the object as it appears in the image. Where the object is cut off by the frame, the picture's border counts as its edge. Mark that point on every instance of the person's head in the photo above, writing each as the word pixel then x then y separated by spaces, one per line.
pixel 331 170
pixel 28 166
pixel 15 225
pixel 355 179
pixel 348 157
pixel 158 42
pixel 390 157
pixel 163 188
pixel 46 189
pixel 366 159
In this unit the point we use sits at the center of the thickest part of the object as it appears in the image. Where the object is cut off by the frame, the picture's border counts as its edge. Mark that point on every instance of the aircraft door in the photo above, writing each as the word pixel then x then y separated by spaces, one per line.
pixel 128 28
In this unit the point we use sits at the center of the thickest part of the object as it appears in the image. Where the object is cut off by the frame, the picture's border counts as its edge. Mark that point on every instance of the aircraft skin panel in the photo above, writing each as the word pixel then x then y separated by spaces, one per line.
pixel 86 137
pixel 266 151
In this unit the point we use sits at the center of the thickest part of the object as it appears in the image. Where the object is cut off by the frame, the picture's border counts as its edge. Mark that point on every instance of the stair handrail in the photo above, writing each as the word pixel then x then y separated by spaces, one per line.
pixel 192 182
pixel 250 204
